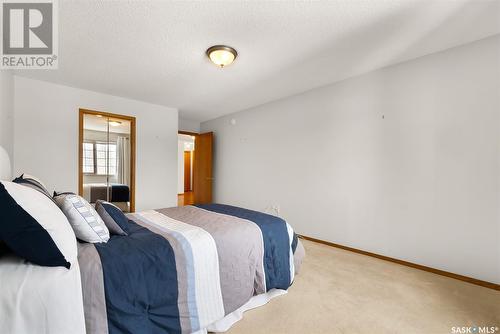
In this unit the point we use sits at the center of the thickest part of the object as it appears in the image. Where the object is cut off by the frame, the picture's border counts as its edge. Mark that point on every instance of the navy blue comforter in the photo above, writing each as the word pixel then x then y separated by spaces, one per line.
pixel 120 192
pixel 140 281
pixel 140 275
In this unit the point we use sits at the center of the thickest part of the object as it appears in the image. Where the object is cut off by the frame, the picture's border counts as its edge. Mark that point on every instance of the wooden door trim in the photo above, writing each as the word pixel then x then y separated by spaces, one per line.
pixel 467 279
pixel 188 133
pixel 132 120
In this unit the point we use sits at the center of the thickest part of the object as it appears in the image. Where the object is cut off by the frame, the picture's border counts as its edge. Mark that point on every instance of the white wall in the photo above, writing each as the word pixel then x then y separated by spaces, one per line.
pixel 7 111
pixel 189 125
pixel 46 138
pixel 403 161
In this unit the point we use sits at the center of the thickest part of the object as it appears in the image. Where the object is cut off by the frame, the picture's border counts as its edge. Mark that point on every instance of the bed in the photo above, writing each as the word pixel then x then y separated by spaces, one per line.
pixel 187 269
pixel 119 194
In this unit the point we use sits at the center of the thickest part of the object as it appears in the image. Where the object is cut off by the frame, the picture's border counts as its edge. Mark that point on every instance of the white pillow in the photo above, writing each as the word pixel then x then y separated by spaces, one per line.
pixel 86 223
pixel 34 228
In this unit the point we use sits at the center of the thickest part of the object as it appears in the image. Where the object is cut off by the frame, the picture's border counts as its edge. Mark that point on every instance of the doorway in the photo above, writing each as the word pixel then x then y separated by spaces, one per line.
pixel 194 172
pixel 186 147
pixel 106 158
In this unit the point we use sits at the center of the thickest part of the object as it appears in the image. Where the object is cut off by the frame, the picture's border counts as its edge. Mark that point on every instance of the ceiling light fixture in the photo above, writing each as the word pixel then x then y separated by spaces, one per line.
pixel 221 55
pixel 114 123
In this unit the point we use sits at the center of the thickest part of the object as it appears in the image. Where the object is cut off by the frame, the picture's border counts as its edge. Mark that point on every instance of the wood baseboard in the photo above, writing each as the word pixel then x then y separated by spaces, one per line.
pixel 409 264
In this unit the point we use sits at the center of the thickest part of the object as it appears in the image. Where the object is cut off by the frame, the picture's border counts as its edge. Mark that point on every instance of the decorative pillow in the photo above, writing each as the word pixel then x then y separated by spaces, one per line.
pixel 32 182
pixel 84 220
pixel 113 217
pixel 33 227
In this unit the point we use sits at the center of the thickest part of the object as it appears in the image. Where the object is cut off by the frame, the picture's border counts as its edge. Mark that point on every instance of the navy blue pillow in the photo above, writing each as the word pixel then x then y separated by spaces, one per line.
pixel 28 237
pixel 113 217
pixel 3 248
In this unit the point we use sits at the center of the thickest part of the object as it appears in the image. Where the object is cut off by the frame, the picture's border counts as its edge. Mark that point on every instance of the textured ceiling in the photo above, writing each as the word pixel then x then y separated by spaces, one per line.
pixel 94 123
pixel 154 50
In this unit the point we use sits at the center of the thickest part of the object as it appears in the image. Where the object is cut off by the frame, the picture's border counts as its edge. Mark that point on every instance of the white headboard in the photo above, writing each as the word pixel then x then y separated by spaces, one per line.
pixel 5 172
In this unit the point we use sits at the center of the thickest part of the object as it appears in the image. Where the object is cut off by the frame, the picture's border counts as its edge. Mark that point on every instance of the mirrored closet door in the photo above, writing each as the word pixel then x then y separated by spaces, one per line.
pixel 107 158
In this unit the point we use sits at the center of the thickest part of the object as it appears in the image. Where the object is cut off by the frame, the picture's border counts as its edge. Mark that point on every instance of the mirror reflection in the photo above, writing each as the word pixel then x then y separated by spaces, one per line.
pixel 106 160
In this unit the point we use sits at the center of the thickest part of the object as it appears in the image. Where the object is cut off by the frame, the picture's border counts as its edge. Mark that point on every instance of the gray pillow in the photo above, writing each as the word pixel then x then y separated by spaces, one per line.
pixel 107 210
pixel 84 220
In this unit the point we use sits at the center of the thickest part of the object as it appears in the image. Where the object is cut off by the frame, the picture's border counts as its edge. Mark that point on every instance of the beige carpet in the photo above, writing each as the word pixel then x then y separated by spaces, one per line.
pixel 342 292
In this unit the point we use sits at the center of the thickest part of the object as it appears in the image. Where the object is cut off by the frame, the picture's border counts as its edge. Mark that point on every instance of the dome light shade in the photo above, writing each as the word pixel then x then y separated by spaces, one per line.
pixel 221 55
pixel 114 123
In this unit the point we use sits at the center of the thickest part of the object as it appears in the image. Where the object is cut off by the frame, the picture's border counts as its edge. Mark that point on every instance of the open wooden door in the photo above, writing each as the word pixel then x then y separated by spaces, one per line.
pixel 202 168
pixel 187 171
